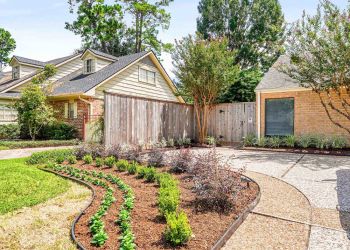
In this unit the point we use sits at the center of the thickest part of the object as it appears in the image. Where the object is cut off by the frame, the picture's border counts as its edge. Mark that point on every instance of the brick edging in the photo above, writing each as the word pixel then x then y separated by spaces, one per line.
pixel 241 218
pixel 72 231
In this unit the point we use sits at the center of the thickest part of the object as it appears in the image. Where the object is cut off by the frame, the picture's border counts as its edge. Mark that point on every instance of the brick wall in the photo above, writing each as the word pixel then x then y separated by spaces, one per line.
pixel 309 114
pixel 82 109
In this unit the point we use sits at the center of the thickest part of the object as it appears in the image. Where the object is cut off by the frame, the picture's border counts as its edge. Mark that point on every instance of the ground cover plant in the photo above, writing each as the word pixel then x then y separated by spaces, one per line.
pixel 36 144
pixel 49 156
pixel 23 186
pixel 305 141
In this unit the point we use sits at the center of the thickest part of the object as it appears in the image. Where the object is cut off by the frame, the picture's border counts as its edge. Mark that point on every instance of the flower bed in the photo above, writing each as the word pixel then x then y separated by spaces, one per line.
pixel 36 144
pixel 164 211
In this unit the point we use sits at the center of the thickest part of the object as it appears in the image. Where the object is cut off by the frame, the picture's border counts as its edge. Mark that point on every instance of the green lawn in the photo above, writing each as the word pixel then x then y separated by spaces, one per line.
pixel 4 145
pixel 22 185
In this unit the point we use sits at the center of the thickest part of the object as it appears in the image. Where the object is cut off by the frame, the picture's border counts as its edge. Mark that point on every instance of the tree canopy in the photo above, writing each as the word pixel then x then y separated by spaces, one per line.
pixel 319 48
pixel 254 28
pixel 7 45
pixel 105 26
pixel 204 70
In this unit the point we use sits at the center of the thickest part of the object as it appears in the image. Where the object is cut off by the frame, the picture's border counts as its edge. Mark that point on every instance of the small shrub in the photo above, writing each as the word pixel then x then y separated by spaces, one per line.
pixel 171 143
pixel 60 159
pixel 274 142
pixel 178 230
pixel 115 151
pixel 181 161
pixel 72 159
pixel 110 161
pixel 131 153
pixel 132 168
pixel 141 172
pixel 150 174
pixel 320 141
pixel 305 141
pixel 58 131
pixel 163 143
pixel 168 199
pixel 249 140
pixel 87 159
pixel 89 148
pixel 338 142
pixel 290 141
pixel 262 142
pixel 155 158
pixel 179 142
pixel 210 140
pixel 9 131
pixel 122 165
pixel 99 162
pixel 187 142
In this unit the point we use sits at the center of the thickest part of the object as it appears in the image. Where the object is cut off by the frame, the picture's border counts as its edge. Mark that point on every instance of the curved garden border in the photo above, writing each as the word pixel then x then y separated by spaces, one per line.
pixel 234 225
pixel 79 245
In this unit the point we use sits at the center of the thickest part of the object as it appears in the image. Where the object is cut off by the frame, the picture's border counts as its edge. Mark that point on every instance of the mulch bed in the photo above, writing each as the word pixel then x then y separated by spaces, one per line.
pixel 342 152
pixel 148 226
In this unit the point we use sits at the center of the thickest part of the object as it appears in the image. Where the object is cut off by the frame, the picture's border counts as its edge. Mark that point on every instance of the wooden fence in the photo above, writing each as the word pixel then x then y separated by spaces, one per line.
pixel 134 120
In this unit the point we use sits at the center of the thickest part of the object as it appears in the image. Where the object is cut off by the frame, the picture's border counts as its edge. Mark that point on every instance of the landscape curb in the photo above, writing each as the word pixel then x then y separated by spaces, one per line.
pixel 241 218
pixel 79 245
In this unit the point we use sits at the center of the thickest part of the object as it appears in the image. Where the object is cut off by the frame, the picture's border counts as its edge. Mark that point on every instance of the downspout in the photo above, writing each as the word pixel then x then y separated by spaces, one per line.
pixel 85 118
pixel 89 103
pixel 258 102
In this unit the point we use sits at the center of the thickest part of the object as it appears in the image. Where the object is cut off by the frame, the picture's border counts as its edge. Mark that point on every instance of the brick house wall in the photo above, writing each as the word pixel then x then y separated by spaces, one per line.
pixel 82 111
pixel 310 116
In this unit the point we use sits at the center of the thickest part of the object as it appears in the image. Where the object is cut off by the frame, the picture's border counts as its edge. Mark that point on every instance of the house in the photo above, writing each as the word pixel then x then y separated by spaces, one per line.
pixel 283 107
pixel 78 87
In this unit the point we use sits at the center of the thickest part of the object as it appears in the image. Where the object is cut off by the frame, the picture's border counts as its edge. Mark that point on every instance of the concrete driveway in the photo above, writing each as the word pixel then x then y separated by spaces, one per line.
pixel 324 180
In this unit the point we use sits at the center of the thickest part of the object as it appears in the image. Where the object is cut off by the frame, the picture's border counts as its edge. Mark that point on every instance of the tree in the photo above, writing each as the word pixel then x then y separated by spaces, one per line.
pixel 147 18
pixel 7 45
pixel 103 26
pixel 254 28
pixel 33 110
pixel 319 48
pixel 204 70
pixel 99 24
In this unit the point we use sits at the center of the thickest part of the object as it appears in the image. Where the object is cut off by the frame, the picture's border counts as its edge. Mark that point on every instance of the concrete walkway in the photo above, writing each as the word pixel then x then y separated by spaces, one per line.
pixel 288 183
pixel 25 152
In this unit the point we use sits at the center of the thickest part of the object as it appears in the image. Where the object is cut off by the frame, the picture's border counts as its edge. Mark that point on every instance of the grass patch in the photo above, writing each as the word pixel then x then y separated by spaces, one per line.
pixel 36 144
pixel 23 186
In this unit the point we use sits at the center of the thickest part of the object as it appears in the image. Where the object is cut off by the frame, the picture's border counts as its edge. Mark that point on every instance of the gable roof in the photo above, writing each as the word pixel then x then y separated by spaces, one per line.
pixel 276 80
pixel 80 83
pixel 29 61
pixel 100 54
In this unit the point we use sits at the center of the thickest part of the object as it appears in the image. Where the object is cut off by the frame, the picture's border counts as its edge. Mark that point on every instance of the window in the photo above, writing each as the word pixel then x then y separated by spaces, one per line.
pixel 279 117
pixel 89 66
pixel 7 114
pixel 147 76
pixel 70 110
pixel 15 72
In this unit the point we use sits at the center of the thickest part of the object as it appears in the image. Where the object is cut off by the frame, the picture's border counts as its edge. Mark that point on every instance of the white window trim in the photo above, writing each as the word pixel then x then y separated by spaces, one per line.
pixel 93 66
pixel 148 71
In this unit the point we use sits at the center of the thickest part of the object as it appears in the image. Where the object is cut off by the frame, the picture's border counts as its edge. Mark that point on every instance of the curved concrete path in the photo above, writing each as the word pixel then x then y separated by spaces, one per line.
pixel 281 220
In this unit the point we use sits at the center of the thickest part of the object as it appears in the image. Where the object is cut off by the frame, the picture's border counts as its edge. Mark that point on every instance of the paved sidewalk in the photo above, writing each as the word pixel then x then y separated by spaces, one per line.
pixel 25 152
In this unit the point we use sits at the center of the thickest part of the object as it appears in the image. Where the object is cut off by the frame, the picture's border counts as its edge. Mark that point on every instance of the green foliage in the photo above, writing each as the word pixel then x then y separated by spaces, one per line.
pixel 319 48
pixel 60 159
pixel 290 141
pixel 262 142
pixel 33 109
pixel 305 141
pixel 210 140
pixel 141 172
pixel 275 142
pixel 9 131
pixel 150 174
pixel 249 140
pixel 87 159
pixel 36 144
pixel 58 131
pixel 171 143
pixel 110 161
pixel 255 29
pixel 122 165
pixel 178 230
pixel 23 186
pixel 204 69
pixel 47 156
pixel 169 198
pixel 7 45
pixel 72 159
pixel 339 142
pixel 99 162
pixel 132 168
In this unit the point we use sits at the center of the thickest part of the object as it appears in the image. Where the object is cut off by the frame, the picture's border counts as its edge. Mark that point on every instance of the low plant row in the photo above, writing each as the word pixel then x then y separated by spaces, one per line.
pixel 127 240
pixel 303 141
pixel 36 144
pixel 97 228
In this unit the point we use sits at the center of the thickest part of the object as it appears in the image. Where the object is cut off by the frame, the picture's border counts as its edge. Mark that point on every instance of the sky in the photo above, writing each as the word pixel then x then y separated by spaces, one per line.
pixel 38 25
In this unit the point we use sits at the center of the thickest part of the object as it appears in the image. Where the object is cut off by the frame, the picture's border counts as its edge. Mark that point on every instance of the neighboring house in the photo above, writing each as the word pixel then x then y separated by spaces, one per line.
pixel 285 108
pixel 78 87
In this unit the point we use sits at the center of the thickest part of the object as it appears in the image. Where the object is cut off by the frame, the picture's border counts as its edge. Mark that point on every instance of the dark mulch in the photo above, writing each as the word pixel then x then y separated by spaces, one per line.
pixel 148 226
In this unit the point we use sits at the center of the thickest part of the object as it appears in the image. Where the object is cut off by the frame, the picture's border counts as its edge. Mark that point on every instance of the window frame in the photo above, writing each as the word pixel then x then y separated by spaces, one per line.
pixel 71 110
pixel 89 66
pixel 147 78
pixel 265 115
pixel 15 72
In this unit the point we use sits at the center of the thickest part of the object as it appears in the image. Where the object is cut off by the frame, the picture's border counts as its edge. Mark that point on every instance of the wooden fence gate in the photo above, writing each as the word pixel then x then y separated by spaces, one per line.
pixel 135 120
